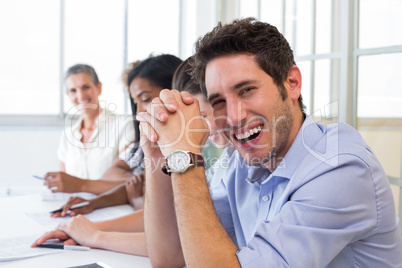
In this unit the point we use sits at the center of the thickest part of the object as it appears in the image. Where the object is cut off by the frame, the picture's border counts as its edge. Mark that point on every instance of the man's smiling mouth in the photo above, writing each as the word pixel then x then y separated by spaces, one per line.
pixel 248 135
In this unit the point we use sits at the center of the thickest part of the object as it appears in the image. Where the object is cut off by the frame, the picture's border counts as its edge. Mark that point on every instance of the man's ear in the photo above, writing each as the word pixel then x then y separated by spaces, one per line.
pixel 294 81
pixel 99 87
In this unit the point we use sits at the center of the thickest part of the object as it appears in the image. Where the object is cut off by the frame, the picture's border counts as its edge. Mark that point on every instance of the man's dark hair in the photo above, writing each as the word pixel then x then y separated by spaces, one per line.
pixel 182 80
pixel 269 47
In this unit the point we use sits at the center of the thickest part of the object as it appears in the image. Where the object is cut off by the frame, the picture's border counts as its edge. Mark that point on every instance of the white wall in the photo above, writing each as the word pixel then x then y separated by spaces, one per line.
pixel 24 152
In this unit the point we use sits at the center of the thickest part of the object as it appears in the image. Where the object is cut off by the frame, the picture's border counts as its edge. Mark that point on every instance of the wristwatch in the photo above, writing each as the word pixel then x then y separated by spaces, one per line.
pixel 180 161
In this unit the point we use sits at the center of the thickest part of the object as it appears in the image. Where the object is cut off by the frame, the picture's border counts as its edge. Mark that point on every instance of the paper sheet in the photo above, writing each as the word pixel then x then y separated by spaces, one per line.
pixel 47 195
pixel 20 247
pixel 102 214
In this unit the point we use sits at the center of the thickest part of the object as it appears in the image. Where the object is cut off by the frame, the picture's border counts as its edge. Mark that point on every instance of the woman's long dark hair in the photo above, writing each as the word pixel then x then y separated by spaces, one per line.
pixel 159 71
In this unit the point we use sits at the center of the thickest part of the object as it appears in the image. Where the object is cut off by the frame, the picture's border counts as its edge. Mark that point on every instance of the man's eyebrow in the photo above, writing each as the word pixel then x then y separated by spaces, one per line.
pixel 243 83
pixel 213 96
pixel 234 87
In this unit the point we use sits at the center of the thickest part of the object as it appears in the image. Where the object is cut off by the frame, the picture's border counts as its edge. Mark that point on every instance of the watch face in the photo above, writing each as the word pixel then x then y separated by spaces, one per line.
pixel 178 161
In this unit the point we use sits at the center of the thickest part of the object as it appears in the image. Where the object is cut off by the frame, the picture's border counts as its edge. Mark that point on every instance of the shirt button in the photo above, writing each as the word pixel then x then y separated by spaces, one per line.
pixel 265 198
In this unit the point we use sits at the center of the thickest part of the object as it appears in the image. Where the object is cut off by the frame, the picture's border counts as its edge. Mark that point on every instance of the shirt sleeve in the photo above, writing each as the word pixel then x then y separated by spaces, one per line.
pixel 327 211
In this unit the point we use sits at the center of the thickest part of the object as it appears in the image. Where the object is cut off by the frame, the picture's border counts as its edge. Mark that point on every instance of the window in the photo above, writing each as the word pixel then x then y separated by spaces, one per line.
pixel 94 34
pixel 155 31
pixel 310 28
pixel 379 44
pixel 377 58
pixel 46 37
pixel 379 89
pixel 30 57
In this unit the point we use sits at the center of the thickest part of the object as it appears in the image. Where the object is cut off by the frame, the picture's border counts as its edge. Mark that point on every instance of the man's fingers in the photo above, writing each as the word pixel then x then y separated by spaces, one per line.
pixel 143 117
pixel 158 110
pixel 187 98
pixel 168 99
pixel 148 131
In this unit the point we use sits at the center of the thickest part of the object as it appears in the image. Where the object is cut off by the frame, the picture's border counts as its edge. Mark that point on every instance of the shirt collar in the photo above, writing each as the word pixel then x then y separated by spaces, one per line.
pixel 254 174
pixel 309 134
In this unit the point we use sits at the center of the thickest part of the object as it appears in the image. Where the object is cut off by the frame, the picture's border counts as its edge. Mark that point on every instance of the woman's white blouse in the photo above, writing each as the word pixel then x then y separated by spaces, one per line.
pixel 112 135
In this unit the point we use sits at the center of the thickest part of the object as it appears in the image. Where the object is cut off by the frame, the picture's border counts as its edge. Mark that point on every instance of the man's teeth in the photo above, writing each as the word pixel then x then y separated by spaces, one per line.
pixel 245 135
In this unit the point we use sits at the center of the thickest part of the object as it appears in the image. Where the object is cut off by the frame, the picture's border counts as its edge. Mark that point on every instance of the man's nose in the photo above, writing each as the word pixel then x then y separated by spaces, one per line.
pixel 236 112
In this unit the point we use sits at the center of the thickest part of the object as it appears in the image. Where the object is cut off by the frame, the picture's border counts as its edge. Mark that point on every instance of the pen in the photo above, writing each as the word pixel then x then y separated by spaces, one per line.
pixel 38 177
pixel 65 247
pixel 79 205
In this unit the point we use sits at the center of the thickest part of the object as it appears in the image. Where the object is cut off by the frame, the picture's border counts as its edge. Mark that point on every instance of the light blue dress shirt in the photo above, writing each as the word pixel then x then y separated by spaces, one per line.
pixel 328 204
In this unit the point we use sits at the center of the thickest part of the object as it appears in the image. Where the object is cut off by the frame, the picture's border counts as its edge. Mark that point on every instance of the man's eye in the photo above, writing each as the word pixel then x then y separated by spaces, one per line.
pixel 72 90
pixel 246 90
pixel 217 102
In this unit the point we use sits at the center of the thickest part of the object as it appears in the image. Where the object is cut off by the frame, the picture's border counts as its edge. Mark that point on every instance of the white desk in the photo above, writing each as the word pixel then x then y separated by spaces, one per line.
pixel 14 222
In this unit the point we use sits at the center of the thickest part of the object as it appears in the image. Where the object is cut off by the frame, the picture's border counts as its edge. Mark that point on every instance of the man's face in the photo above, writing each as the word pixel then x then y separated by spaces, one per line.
pixel 249 109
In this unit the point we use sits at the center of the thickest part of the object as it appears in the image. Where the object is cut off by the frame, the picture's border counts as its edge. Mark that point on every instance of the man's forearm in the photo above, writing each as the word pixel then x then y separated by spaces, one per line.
pixel 199 227
pixel 160 222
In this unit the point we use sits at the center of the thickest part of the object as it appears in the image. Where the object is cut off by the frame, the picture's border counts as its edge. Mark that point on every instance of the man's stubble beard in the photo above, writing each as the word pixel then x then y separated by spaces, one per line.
pixel 281 126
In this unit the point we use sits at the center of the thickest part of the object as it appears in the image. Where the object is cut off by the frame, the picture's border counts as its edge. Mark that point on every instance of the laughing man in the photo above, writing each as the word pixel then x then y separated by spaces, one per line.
pixel 295 194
